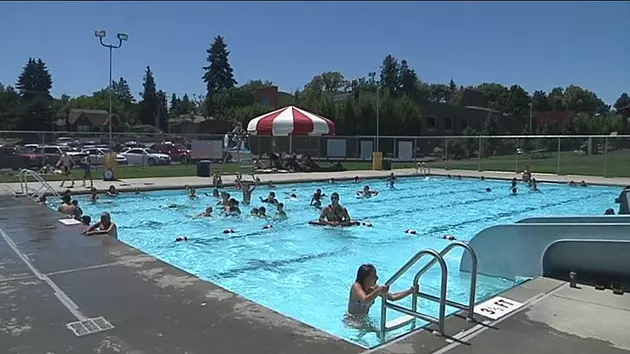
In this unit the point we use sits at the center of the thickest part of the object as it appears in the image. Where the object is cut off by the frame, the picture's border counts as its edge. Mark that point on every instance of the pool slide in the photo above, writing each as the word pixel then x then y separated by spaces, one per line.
pixel 516 250
pixel 590 256
pixel 577 219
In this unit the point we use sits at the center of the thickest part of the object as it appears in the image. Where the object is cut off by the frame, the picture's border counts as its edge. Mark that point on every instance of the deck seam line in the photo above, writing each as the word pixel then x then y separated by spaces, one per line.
pixel 65 271
pixel 593 303
pixel 63 297
pixel 478 329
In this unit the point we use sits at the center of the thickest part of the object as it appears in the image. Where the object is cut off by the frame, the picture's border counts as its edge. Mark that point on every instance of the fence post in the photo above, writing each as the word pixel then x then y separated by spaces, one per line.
pixel 558 167
pixel 414 153
pixel 606 157
pixel 516 152
pixel 394 155
pixel 445 153
pixel 42 149
pixel 479 155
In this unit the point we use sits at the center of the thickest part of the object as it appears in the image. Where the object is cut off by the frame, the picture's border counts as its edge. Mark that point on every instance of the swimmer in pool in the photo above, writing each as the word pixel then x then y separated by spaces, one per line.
pixel 367 193
pixel 93 195
pixel 334 213
pixel 247 190
pixel 111 191
pixel 583 184
pixel 331 181
pixel 104 227
pixel 365 290
pixel 207 213
pixel 192 193
pixel 254 212
pixel 513 191
pixel 391 180
pixel 514 182
pixel 534 185
pixel 356 179
pixel 270 184
pixel 316 201
pixel 217 182
pixel 280 213
pixel 232 208
pixel 572 184
pixel 271 199
pixel 225 197
pixel 262 212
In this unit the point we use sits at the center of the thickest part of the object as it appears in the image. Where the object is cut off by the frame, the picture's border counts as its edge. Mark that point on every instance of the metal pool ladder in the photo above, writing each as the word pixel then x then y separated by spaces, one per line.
pixel 44 187
pixel 414 312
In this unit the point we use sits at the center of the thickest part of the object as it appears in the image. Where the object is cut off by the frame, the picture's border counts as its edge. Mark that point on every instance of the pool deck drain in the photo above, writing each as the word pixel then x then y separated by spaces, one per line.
pixel 157 308
pixel 89 326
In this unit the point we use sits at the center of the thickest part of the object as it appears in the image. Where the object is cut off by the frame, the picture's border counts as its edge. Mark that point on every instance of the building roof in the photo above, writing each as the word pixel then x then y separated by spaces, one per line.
pixel 473 98
pixel 96 116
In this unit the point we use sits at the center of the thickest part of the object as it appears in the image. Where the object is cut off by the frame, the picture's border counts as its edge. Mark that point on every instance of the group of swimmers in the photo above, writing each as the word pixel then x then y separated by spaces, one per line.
pixel 70 207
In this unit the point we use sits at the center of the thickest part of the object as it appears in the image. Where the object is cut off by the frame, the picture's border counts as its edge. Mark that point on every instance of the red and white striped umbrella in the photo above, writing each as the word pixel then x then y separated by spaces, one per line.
pixel 290 121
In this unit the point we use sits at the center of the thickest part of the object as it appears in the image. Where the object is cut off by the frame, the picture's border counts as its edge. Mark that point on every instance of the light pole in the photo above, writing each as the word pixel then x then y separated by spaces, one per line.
pixel 121 38
pixel 530 118
pixel 378 110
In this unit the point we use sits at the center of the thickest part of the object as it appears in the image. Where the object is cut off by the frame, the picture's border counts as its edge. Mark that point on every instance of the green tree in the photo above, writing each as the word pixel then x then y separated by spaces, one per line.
pixel 540 101
pixel 162 111
pixel 555 99
pixel 34 85
pixel 9 106
pixel 123 92
pixel 149 105
pixel 389 74
pixel 408 80
pixel 218 75
pixel 173 109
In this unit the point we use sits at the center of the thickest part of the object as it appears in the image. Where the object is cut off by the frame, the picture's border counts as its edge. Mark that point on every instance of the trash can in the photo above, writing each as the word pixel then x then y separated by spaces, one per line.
pixel 387 165
pixel 203 168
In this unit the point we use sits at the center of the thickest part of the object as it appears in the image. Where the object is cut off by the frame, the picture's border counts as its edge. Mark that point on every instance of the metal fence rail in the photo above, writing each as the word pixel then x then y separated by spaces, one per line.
pixel 599 155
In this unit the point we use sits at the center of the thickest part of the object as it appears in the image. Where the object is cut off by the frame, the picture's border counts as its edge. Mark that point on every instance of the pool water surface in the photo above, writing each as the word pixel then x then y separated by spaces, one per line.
pixel 304 271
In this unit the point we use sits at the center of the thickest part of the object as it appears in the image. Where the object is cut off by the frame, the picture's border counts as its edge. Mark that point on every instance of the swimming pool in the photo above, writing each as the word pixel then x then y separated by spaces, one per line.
pixel 304 271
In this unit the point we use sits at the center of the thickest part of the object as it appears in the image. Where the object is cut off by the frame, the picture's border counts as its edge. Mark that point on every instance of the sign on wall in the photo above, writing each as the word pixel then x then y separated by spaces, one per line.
pixel 336 147
pixel 207 149
pixel 405 150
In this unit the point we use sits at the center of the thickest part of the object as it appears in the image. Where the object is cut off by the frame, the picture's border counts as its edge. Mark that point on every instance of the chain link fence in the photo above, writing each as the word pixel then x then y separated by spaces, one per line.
pixel 607 156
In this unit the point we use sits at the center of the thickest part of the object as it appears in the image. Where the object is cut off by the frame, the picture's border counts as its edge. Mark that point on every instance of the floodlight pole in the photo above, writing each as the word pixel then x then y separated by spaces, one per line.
pixel 121 37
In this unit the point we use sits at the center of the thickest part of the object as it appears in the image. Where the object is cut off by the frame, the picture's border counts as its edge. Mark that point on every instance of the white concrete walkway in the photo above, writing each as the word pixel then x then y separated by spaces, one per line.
pixel 204 182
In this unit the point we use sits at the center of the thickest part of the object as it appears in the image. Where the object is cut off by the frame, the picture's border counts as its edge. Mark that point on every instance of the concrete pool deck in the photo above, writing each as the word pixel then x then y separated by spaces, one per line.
pixel 157 183
pixel 51 275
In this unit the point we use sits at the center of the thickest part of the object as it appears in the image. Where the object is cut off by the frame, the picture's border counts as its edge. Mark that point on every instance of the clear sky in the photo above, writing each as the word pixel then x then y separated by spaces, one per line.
pixel 538 45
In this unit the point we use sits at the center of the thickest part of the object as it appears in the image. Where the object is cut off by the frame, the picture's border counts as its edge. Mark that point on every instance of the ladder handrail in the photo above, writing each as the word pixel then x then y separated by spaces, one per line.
pixel 23 176
pixel 473 274
pixel 443 284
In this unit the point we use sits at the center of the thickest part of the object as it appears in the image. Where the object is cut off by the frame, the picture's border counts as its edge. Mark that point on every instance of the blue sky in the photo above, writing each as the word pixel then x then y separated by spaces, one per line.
pixel 538 45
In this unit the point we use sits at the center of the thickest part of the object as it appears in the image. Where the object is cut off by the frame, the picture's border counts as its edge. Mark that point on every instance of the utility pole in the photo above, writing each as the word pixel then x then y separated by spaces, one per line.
pixel 121 38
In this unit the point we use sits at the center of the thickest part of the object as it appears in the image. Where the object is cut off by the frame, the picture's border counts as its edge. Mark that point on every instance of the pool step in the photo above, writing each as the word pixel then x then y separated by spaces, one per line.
pixel 399 322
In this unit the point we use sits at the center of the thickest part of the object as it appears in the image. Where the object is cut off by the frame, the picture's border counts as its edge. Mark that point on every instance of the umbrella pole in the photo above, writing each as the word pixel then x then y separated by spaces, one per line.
pixel 290 144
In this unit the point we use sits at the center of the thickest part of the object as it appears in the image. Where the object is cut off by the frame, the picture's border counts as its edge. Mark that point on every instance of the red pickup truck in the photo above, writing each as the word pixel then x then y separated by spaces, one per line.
pixel 175 151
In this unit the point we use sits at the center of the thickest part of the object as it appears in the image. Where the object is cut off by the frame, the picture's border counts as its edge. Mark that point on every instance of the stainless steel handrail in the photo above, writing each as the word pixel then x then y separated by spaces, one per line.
pixel 440 320
pixel 23 177
pixel 473 280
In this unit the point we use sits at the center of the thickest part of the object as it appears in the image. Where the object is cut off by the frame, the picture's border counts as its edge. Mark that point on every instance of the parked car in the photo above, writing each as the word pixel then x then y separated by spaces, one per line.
pixel 97 155
pixel 175 151
pixel 144 156
pixel 44 155
pixel 10 158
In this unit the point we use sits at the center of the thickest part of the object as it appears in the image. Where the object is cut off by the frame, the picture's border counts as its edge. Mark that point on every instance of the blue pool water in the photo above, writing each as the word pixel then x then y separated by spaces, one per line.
pixel 304 271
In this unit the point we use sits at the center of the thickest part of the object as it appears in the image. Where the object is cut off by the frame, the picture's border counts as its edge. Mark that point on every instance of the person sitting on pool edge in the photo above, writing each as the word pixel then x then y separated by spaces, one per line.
pixel 365 290
pixel 334 213
pixel 104 227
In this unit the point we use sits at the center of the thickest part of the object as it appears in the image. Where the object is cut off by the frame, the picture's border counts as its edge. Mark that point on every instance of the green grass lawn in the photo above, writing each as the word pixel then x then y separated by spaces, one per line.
pixel 125 172
pixel 617 164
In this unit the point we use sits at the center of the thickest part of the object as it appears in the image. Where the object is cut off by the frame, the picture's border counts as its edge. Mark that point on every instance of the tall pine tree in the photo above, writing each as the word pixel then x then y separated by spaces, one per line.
pixel 219 74
pixel 149 104
pixel 219 77
pixel 389 74
pixel 34 84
